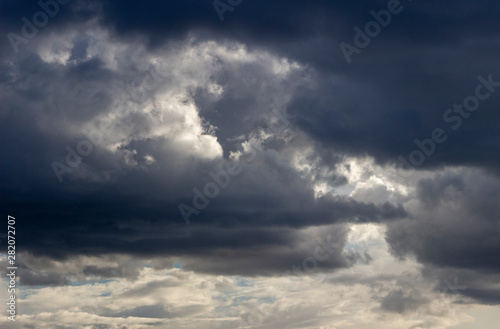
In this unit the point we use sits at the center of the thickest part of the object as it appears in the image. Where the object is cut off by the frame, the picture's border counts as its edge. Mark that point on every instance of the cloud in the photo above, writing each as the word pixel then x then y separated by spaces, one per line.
pixel 396 301
pixel 115 114
pixel 161 132
pixel 173 297
pixel 454 231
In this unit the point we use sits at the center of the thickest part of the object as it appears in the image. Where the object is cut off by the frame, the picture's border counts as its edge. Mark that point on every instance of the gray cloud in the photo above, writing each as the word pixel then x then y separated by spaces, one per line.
pixel 397 301
pixel 454 231
pixel 118 201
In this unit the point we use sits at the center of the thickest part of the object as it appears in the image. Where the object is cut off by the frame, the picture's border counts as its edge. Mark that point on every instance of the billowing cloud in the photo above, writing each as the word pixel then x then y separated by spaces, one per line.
pixel 454 230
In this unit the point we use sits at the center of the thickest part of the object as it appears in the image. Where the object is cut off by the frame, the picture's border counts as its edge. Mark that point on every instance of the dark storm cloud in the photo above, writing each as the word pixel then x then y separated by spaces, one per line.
pixel 395 91
pixel 296 258
pixel 34 279
pixel 455 232
pixel 382 107
pixel 111 272
pixel 467 284
pixel 285 21
pixel 29 276
pixel 106 206
pixel 22 22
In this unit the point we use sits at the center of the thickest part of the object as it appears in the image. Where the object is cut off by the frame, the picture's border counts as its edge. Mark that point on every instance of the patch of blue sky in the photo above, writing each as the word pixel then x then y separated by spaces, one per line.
pixel 243 282
pixel 24 293
pixel 354 247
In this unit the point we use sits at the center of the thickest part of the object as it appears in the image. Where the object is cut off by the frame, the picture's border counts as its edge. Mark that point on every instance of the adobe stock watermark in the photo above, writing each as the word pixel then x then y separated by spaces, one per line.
pixel 460 112
pixel 11 268
pixel 372 29
pixel 29 30
pixel 222 178
pixel 221 7
pixel 95 136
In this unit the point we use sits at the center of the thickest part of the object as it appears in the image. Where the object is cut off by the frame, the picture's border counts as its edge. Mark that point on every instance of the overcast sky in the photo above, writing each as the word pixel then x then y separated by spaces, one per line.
pixel 251 164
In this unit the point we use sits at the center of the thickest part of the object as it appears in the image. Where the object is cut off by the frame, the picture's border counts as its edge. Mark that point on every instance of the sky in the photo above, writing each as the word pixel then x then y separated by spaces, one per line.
pixel 250 164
